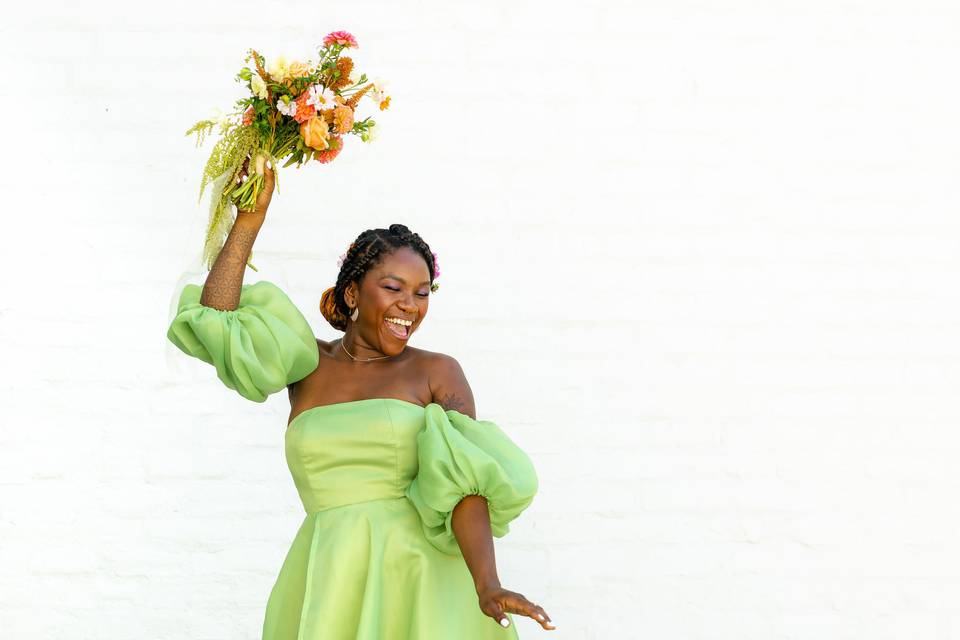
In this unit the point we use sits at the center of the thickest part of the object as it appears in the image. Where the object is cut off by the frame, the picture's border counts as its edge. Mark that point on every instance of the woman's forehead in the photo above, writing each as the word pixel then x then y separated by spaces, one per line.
pixel 403 258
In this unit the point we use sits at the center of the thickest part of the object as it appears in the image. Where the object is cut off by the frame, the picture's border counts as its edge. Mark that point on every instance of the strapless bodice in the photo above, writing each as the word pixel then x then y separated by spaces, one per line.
pixel 356 451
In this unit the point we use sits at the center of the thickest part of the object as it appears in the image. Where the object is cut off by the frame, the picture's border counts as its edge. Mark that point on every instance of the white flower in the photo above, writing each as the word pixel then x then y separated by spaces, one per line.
pixel 287 108
pixel 379 92
pixel 279 68
pixel 258 86
pixel 321 98
pixel 371 133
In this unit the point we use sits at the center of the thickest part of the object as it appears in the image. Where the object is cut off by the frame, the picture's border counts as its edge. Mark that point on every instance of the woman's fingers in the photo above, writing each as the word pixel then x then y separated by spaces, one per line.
pixel 537 612
pixel 267 171
pixel 243 171
pixel 502 601
pixel 524 607
pixel 498 614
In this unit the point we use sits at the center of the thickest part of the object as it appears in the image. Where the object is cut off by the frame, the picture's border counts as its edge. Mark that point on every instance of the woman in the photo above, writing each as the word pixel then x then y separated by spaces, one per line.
pixel 403 487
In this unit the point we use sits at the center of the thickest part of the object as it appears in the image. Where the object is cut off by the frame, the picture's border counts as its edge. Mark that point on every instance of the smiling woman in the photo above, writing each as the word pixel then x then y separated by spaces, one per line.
pixel 390 254
pixel 404 488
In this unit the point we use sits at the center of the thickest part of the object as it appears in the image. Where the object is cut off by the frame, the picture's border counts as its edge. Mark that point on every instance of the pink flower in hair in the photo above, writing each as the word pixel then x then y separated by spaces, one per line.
pixel 343 256
pixel 436 266
pixel 342 38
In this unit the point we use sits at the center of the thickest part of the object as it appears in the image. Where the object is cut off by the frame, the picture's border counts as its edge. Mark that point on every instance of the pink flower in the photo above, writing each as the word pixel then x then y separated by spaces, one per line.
pixel 305 110
pixel 327 155
pixel 341 38
pixel 436 266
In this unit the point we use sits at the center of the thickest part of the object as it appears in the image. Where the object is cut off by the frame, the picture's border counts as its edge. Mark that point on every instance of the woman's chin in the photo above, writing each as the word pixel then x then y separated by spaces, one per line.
pixel 391 344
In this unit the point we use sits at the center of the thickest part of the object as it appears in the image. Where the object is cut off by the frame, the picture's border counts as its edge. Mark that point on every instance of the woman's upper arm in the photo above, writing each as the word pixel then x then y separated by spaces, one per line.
pixel 449 386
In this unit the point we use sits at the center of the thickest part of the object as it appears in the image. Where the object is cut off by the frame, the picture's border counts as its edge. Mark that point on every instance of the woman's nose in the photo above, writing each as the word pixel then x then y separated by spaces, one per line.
pixel 407 302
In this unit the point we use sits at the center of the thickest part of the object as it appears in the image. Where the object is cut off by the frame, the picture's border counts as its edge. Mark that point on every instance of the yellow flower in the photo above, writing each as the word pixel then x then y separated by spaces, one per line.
pixel 299 69
pixel 258 86
pixel 279 68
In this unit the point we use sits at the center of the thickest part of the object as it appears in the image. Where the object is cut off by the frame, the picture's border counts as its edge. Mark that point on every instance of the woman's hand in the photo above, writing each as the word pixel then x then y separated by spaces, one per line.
pixel 496 602
pixel 266 193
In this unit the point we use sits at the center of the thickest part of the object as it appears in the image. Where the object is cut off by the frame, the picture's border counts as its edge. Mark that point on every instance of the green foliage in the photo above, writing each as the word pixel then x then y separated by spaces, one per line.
pixel 222 170
pixel 362 128
pixel 202 129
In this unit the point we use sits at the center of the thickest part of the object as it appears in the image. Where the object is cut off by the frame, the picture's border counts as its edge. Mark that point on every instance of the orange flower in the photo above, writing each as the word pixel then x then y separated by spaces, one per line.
pixel 305 111
pixel 315 133
pixel 343 119
pixel 385 103
pixel 344 66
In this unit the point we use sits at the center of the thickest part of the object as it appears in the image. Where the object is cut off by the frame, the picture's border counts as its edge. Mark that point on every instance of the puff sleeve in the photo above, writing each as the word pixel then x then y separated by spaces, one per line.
pixel 460 456
pixel 258 348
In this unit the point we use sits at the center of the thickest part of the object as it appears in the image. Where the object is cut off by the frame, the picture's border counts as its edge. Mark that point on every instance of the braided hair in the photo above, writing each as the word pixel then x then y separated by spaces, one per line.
pixel 365 253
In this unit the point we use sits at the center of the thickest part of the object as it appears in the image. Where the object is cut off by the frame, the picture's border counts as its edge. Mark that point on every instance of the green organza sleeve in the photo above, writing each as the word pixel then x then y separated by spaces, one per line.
pixel 459 456
pixel 258 348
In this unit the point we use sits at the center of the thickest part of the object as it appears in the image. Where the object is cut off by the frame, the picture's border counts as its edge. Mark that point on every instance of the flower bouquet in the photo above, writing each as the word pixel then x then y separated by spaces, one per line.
pixel 296 112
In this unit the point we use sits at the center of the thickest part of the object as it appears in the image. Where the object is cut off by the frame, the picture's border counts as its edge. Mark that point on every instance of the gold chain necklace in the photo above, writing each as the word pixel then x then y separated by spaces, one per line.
pixel 360 359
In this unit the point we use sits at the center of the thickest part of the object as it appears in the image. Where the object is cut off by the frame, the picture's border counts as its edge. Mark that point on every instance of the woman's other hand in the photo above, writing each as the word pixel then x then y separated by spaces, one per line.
pixel 496 602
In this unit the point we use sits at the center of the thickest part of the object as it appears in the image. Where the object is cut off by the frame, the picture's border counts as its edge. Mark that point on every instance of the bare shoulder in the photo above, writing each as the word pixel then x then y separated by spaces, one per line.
pixel 448 383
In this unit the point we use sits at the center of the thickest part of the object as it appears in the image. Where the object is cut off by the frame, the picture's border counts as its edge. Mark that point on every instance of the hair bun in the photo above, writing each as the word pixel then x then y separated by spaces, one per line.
pixel 328 307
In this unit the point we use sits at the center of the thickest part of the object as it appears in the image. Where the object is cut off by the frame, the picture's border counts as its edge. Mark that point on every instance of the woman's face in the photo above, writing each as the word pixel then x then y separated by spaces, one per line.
pixel 397 288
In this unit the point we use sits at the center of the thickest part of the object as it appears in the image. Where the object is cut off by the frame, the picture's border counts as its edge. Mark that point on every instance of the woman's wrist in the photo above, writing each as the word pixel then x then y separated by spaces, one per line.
pixel 251 217
pixel 486 584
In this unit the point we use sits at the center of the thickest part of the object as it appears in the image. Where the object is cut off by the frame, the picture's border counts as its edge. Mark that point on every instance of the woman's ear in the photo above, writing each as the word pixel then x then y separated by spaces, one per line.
pixel 350 295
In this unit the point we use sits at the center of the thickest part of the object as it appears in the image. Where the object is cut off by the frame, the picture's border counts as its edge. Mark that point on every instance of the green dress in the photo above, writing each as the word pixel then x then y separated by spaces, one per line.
pixel 375 556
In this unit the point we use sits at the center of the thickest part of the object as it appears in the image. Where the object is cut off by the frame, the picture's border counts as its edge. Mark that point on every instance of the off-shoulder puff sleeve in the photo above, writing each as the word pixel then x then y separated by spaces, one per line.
pixel 459 456
pixel 258 348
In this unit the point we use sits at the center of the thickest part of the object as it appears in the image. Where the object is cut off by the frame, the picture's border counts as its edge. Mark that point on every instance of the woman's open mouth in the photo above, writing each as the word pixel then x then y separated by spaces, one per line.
pixel 399 331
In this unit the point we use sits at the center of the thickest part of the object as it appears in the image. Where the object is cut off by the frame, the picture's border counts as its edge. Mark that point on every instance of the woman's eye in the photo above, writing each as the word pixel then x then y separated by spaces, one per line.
pixel 423 295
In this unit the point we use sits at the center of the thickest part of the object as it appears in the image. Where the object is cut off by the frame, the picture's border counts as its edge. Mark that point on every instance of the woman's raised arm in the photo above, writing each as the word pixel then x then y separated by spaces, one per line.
pixel 223 285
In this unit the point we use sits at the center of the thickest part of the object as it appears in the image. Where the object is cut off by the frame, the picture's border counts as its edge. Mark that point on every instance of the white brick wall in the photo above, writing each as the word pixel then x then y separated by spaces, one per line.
pixel 700 259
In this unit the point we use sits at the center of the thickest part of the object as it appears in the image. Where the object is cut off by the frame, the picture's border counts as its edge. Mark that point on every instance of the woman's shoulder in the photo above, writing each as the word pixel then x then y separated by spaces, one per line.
pixel 448 383
pixel 435 364
pixel 432 358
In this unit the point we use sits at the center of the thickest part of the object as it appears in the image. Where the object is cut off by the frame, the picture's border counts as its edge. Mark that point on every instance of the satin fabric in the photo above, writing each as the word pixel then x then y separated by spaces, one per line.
pixel 375 556
pixel 257 349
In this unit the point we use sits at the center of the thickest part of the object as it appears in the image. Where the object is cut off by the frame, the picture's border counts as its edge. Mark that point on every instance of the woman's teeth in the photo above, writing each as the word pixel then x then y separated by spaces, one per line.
pixel 399 328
